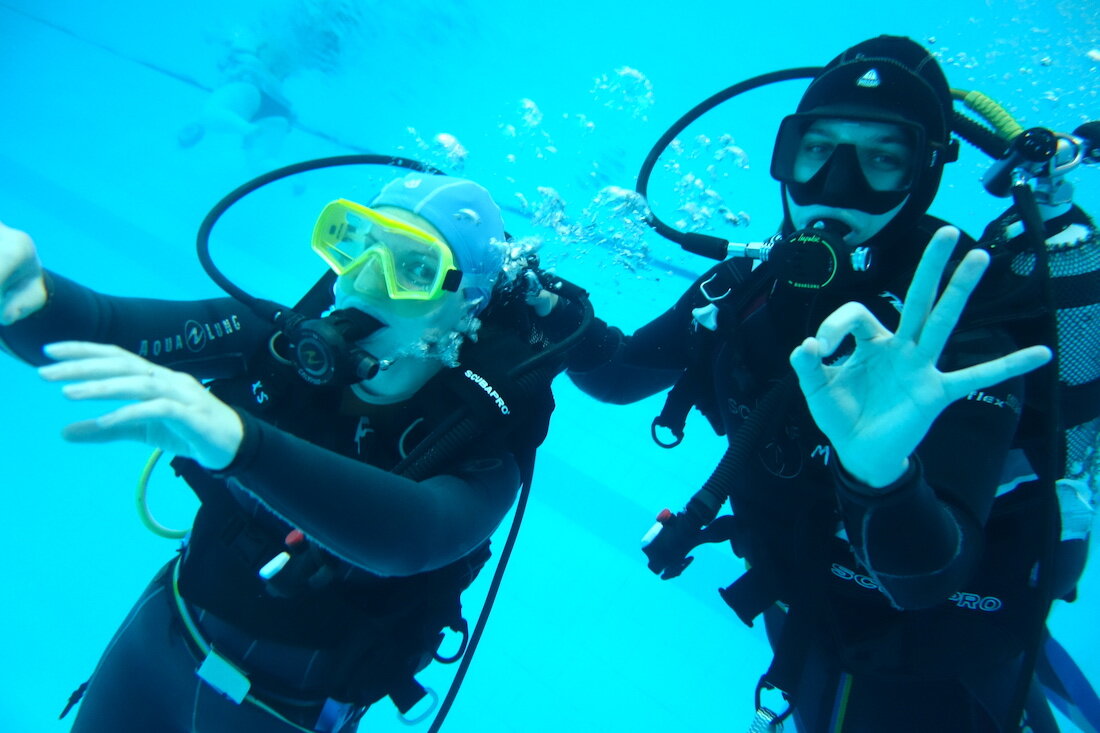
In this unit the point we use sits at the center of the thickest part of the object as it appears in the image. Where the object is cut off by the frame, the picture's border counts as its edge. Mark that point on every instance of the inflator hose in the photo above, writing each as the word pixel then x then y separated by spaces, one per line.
pixel 725 478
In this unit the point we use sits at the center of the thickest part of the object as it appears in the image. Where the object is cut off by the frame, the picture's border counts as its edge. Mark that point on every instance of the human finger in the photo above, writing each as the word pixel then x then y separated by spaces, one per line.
pixel 921 295
pixel 960 383
pixel 850 318
pixel 87 369
pixel 76 360
pixel 65 350
pixel 806 360
pixel 137 387
pixel 90 431
pixel 945 315
pixel 129 422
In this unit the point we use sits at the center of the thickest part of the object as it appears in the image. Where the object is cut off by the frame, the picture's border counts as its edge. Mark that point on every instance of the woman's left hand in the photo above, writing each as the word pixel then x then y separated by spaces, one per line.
pixel 169 410
pixel 876 406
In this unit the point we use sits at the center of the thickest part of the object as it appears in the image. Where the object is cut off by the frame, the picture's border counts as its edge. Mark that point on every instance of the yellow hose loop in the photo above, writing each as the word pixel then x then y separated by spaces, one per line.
pixel 144 514
pixel 991 111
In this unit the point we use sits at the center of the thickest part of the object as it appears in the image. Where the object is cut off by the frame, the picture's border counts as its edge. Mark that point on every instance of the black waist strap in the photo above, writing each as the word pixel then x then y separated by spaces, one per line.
pixel 288 708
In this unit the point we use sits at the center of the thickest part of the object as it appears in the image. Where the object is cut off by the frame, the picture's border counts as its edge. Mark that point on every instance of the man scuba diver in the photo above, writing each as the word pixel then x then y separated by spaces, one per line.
pixel 339 521
pixel 897 593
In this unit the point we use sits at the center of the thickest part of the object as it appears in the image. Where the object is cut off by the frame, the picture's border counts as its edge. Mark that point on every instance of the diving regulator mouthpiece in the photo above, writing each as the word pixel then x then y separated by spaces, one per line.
pixel 325 349
pixel 810 259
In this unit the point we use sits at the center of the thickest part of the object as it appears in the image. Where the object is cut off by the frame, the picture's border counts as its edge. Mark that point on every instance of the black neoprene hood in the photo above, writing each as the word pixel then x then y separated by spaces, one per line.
pixel 890 79
pixel 892 75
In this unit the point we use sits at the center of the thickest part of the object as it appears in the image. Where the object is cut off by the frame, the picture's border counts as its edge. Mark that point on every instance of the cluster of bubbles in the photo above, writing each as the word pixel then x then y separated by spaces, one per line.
pixel 961 59
pixel 614 220
pixel 699 167
pixel 1046 68
pixel 626 90
pixel 617 219
pixel 517 255
pixel 527 132
pixel 546 210
pixel 444 345
pixel 443 151
pixel 946 58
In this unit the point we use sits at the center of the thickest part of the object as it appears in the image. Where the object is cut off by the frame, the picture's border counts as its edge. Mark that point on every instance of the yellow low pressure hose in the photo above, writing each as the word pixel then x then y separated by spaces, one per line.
pixel 992 112
pixel 142 499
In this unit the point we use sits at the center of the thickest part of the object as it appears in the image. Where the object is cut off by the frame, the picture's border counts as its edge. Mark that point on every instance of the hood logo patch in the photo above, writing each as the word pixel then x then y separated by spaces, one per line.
pixel 869 80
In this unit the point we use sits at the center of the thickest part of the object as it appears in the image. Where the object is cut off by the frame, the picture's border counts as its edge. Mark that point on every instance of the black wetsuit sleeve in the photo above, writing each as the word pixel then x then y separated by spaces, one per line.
pixel 387 524
pixel 650 360
pixel 922 537
pixel 205 338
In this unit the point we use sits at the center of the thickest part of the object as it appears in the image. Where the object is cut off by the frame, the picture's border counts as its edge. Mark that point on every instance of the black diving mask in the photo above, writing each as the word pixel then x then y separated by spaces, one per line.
pixel 866 164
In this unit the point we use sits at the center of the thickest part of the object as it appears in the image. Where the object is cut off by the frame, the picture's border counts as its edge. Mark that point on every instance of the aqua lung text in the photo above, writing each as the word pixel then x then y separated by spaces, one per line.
pixel 195 337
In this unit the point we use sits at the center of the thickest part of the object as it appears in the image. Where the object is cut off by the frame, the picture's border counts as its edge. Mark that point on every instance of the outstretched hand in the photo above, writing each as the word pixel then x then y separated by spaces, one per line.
pixel 877 405
pixel 167 409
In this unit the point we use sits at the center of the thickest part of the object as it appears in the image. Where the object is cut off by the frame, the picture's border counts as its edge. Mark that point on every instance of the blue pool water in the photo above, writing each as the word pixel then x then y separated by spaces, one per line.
pixel 552 104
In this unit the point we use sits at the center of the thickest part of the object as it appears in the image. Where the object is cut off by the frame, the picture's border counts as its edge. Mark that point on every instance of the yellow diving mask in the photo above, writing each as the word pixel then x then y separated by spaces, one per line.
pixel 414 264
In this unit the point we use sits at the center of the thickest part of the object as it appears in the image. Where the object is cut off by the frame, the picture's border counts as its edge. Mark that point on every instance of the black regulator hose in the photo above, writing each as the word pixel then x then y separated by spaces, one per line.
pixel 722 483
pixel 703 244
pixel 1090 133
pixel 681 533
pixel 528 375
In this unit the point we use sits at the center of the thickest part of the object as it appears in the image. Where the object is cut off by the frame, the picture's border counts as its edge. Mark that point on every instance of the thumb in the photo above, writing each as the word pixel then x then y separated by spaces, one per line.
pixel 22 298
pixel 22 287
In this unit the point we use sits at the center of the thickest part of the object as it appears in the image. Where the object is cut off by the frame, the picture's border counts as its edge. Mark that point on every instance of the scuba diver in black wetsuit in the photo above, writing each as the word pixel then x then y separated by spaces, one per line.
pixel 342 514
pixel 888 510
